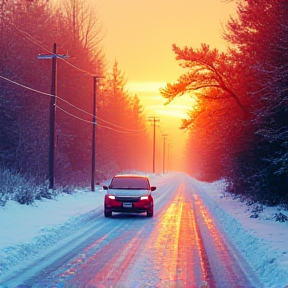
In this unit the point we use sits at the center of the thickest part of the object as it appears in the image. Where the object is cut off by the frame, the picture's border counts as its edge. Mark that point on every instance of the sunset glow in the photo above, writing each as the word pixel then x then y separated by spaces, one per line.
pixel 155 103
pixel 143 143
pixel 140 34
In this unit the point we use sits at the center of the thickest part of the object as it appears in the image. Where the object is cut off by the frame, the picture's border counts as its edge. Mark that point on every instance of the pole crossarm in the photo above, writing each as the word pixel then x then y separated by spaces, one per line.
pixel 52 55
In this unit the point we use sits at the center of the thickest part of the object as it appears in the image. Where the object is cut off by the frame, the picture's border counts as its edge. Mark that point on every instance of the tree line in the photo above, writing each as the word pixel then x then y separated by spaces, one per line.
pixel 238 129
pixel 29 28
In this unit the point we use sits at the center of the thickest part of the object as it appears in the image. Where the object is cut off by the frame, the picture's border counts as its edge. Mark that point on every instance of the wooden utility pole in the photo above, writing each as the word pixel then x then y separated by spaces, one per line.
pixel 52 122
pixel 52 56
pixel 154 120
pixel 93 134
pixel 168 156
pixel 164 140
pixel 95 85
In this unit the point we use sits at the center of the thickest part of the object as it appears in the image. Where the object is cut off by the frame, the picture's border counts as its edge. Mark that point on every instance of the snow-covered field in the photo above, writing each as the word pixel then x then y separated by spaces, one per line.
pixel 27 232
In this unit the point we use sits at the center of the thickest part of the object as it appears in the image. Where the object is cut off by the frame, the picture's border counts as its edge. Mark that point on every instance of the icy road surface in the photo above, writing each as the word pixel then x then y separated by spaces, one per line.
pixel 181 246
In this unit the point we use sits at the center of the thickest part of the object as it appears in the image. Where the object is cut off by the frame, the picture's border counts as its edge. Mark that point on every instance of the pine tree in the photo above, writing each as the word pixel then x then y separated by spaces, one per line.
pixel 260 35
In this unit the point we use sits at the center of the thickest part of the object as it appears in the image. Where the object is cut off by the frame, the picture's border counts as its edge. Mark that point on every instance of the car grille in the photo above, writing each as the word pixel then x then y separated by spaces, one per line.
pixel 127 199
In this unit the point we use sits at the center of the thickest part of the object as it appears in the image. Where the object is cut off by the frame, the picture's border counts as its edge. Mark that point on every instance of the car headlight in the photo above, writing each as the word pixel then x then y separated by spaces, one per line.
pixel 144 198
pixel 111 197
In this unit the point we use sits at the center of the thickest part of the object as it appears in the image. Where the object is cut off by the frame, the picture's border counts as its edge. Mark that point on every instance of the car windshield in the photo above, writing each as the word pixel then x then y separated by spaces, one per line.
pixel 129 183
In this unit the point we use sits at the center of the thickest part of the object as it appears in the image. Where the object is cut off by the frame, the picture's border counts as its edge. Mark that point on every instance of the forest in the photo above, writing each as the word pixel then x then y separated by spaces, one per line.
pixel 30 28
pixel 237 130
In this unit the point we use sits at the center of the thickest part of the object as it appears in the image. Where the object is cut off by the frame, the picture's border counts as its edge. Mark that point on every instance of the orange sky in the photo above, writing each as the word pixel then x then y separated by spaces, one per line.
pixel 140 34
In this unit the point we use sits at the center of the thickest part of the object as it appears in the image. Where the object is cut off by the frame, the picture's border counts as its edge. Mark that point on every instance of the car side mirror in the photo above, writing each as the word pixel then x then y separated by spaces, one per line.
pixel 105 187
pixel 153 188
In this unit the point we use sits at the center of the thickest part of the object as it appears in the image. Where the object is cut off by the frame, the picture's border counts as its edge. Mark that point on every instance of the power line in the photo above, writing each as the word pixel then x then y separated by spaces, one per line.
pixel 28 88
pixel 30 38
pixel 128 130
pixel 33 40
pixel 124 132
pixel 74 116
pixel 84 71
pixel 102 126
pixel 72 105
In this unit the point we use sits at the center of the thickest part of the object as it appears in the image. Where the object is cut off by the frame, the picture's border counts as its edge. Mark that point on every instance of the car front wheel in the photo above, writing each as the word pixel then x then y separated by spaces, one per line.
pixel 107 213
pixel 150 212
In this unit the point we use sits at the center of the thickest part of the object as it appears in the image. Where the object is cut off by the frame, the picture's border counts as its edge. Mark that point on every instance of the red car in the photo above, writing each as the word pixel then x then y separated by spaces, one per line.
pixel 129 193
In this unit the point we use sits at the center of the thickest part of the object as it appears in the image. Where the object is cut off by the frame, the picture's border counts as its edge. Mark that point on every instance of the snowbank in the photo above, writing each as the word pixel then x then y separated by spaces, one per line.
pixel 29 231
pixel 262 241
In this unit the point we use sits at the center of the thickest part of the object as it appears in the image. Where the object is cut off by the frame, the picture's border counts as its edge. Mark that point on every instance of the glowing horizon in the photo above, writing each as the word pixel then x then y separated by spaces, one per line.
pixel 150 86
pixel 152 100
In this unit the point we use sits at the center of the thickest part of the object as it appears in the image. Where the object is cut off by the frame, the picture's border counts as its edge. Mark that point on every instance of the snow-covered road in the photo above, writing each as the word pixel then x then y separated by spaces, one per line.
pixel 183 245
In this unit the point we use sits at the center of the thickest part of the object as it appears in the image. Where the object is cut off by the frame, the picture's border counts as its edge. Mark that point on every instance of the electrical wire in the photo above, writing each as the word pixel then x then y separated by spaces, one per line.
pixel 29 88
pixel 67 102
pixel 30 38
pixel 124 132
pixel 115 125
pixel 70 114
pixel 33 40
pixel 75 67
pixel 91 122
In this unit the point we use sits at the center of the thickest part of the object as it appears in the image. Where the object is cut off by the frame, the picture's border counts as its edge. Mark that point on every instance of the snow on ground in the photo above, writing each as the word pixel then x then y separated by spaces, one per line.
pixel 262 241
pixel 27 231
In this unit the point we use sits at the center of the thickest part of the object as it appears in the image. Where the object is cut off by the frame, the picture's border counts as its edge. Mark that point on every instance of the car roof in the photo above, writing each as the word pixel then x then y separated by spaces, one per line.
pixel 130 176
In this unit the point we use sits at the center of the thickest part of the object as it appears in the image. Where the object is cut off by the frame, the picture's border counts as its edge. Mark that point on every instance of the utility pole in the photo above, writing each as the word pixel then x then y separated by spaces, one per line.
pixel 164 140
pixel 154 120
pixel 52 56
pixel 95 85
pixel 168 161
